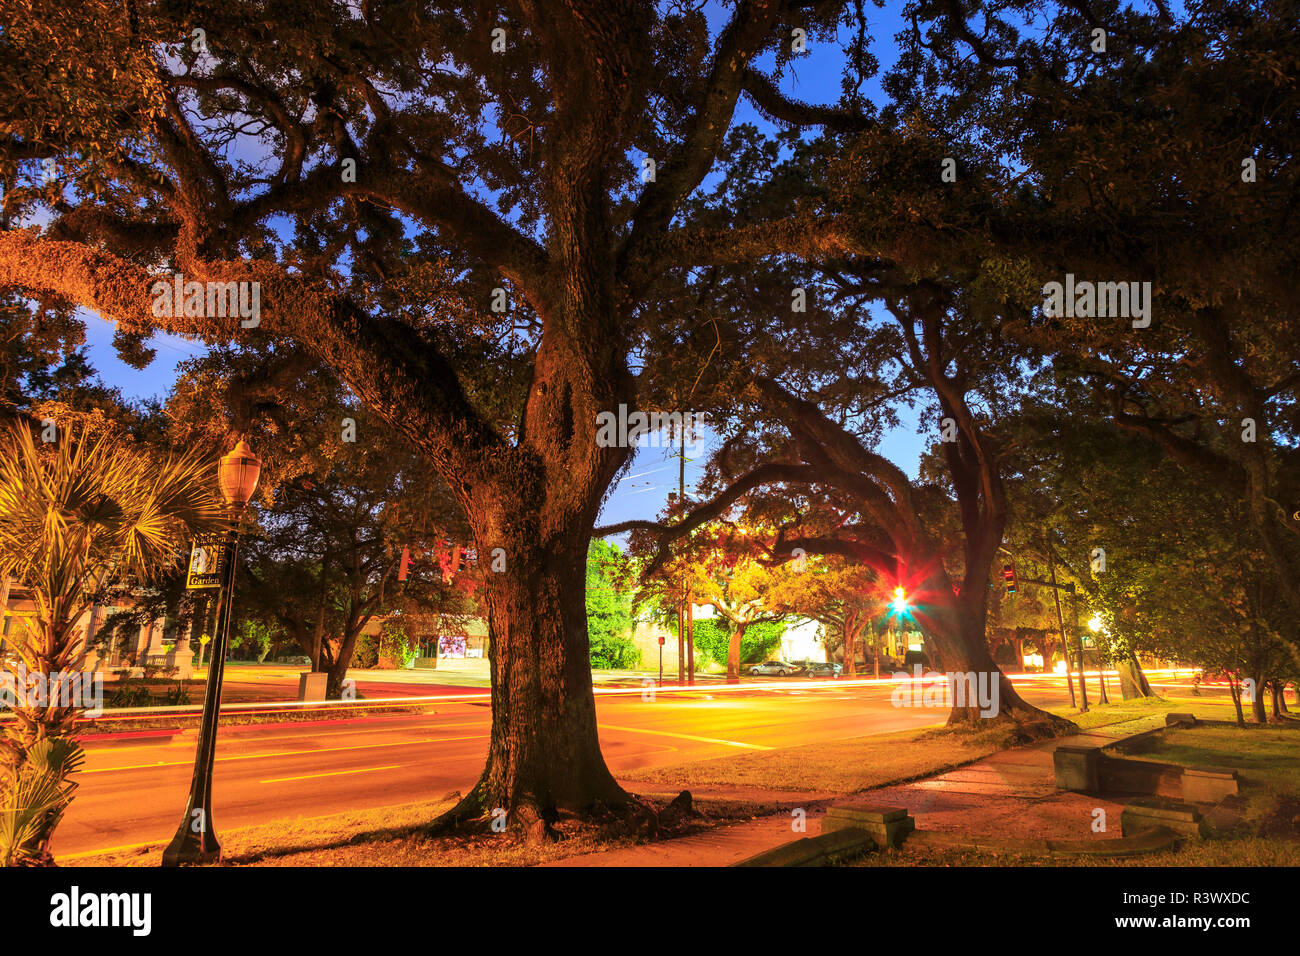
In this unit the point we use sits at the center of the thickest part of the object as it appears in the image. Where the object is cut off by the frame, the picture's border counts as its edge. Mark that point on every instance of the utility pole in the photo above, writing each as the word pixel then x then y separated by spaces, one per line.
pixel 690 637
pixel 686 617
pixel 1060 622
pixel 681 602
pixel 1065 642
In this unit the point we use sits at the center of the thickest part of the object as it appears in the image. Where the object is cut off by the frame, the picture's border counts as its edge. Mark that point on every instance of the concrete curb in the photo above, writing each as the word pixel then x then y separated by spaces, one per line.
pixel 816 851
pixel 849 840
pixel 840 845
pixel 99 728
pixel 1148 841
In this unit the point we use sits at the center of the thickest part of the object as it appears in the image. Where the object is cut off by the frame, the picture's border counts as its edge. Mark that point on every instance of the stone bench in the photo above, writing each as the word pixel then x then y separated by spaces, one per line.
pixel 1088 770
pixel 1180 720
pixel 1180 818
pixel 1077 768
pixel 888 826
pixel 1141 778
pixel 1208 784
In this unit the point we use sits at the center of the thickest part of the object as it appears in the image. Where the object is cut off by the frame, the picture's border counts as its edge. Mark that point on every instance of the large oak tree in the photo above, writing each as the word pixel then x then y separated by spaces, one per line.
pixel 388 172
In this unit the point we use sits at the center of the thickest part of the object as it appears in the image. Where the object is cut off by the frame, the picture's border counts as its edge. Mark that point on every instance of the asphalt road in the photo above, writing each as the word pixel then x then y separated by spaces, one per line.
pixel 133 792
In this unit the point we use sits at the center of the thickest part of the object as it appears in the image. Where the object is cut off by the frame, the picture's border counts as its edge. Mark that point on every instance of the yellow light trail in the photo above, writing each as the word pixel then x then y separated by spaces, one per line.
pixel 287 753
pixel 703 740
pixel 332 773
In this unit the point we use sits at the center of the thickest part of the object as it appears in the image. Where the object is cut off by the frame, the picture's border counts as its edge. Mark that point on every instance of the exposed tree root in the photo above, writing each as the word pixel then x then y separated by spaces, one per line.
pixel 630 816
pixel 1012 727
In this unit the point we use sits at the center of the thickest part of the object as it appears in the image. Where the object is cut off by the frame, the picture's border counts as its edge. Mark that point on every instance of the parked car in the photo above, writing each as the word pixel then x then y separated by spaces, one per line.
pixel 779 668
pixel 822 669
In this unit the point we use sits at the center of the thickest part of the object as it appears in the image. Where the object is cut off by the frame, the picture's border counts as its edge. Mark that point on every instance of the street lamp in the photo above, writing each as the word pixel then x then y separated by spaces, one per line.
pixel 1096 625
pixel 196 838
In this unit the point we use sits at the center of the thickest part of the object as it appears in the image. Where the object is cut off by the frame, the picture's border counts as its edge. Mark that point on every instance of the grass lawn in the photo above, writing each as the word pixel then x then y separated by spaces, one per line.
pixel 1238 851
pixel 862 763
pixel 1267 761
pixel 1119 712
pixel 1259 827
pixel 842 766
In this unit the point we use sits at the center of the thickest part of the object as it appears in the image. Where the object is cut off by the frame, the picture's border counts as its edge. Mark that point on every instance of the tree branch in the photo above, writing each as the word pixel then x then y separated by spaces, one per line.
pixel 387 363
pixel 775 105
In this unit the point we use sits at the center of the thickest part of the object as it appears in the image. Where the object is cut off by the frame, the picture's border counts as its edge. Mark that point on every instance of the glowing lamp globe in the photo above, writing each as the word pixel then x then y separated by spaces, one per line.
pixel 237 475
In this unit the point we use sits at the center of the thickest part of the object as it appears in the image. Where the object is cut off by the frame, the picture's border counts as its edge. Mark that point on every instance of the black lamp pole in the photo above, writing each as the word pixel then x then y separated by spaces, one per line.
pixel 196 838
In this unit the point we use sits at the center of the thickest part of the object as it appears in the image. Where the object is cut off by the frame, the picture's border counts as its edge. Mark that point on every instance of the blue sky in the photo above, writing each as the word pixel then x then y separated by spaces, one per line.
pixel 643 490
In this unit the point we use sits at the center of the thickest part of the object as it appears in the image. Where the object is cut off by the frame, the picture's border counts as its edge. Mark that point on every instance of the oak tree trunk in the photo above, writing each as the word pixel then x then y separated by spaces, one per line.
pixel 956 624
pixel 1257 701
pixel 1234 688
pixel 544 754
pixel 1132 682
pixel 850 650
pixel 733 654
pixel 1276 691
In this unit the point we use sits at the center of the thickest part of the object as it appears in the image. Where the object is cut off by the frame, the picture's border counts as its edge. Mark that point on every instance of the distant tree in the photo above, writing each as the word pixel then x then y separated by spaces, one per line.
pixel 847 598
pixel 341 497
pixel 609 608
pixel 759 642
pixel 741 590
pixel 1210 372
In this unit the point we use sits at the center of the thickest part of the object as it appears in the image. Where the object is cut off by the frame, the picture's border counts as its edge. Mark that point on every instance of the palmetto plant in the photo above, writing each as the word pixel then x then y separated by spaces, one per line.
pixel 76 515
pixel 35 798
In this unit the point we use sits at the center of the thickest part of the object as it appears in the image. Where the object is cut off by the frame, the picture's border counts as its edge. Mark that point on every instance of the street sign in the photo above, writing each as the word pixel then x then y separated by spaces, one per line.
pixel 207 562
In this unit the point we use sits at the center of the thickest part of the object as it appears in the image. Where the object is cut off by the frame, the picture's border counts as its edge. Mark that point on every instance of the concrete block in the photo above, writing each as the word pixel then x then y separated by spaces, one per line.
pixel 1180 818
pixel 312 685
pixel 1140 777
pixel 888 826
pixel 815 851
pixel 1077 768
pixel 1187 720
pixel 884 834
pixel 1208 784
pixel 867 813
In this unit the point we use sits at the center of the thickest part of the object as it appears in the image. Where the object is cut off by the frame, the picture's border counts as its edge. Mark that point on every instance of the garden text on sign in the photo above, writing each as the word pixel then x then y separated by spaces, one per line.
pixel 207 562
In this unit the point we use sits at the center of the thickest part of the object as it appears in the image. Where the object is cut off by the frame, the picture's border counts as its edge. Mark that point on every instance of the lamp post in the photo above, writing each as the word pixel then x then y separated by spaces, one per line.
pixel 196 838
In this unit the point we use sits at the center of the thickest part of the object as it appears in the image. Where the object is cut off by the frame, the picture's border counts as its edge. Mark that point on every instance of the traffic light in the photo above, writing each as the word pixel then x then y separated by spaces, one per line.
pixel 1009 576
pixel 899 603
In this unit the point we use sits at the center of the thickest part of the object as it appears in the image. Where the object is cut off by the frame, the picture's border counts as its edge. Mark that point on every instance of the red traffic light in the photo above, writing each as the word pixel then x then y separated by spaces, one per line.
pixel 1009 576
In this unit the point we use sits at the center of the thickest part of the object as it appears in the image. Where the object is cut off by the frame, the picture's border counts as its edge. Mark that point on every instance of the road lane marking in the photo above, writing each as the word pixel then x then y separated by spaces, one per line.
pixel 703 740
pixel 332 773
pixel 287 753
pixel 89 746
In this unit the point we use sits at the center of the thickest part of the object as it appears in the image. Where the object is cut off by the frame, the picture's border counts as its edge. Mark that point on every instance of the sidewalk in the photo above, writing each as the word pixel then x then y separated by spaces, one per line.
pixel 1010 794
